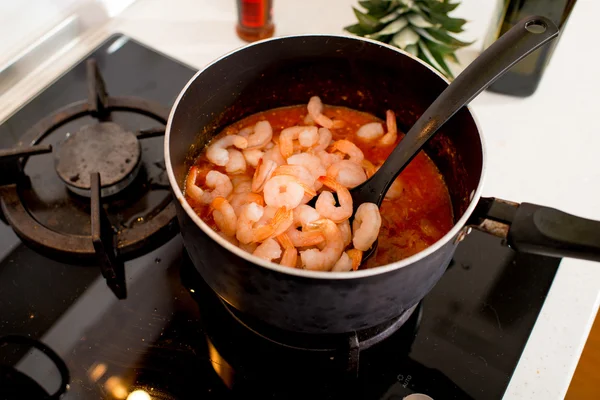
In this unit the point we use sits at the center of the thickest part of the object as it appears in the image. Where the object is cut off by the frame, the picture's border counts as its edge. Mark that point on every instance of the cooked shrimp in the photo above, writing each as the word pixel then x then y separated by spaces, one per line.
pixel 274 155
pixel 366 224
pixel 308 138
pixel 253 156
pixel 281 221
pixel 308 120
pixel 263 133
pixel 326 203
pixel 346 232
pixel 262 174
pixel 245 132
pixel 269 250
pixel 327 159
pixel 369 168
pixel 248 247
pixel 249 215
pixel 219 182
pixel 311 163
pixel 343 264
pixel 392 130
pixel 350 149
pixel 224 216
pixel 325 137
pixel 304 238
pixel 356 257
pixel 288 135
pixel 230 239
pixel 217 152
pixel 395 190
pixel 290 254
pixel 285 191
pixel 236 163
pixel 297 171
pixel 191 189
pixel 370 131
pixel 347 173
pixel 241 183
pixel 325 259
pixel 315 110
pixel 237 200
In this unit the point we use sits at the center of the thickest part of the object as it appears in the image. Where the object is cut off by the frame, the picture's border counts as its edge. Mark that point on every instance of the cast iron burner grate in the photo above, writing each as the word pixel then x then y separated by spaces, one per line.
pixel 102 162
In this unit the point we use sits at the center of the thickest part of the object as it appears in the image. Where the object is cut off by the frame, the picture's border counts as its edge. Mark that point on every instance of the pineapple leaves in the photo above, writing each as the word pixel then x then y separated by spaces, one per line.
pixel 420 27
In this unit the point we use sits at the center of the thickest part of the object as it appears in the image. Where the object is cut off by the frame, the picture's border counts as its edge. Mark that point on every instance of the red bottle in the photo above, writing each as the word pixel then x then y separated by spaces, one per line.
pixel 255 19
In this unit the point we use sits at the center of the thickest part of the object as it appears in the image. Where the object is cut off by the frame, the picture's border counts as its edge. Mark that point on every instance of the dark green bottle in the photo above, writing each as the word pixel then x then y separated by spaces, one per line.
pixel 523 79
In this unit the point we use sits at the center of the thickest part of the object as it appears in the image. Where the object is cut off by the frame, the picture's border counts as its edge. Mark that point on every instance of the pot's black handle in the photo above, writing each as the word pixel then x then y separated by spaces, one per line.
pixel 531 228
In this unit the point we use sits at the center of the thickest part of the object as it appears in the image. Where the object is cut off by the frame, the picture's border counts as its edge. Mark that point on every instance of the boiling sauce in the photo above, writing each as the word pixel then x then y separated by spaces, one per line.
pixel 416 219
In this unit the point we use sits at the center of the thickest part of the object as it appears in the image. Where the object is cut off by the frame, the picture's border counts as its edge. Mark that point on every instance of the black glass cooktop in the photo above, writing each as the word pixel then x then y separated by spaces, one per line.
pixel 173 339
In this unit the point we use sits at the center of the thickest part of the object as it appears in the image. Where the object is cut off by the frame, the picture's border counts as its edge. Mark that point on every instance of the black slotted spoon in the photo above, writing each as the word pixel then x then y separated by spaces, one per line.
pixel 526 36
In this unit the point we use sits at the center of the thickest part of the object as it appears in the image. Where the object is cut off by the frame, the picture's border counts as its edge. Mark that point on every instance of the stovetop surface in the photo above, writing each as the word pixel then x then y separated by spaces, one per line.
pixel 172 339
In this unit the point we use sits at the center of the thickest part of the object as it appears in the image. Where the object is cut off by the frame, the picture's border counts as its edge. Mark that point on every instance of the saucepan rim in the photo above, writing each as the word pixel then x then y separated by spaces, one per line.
pixel 302 272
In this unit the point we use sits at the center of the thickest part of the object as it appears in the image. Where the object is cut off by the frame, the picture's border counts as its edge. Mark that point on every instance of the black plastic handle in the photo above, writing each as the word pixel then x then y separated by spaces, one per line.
pixel 548 231
pixel 522 39
pixel 531 228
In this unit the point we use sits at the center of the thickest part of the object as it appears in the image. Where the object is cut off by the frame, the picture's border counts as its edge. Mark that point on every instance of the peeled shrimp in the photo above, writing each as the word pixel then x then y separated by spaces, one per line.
pixel 241 183
pixel 224 216
pixel 343 264
pixel 303 215
pixel 238 200
pixel 366 224
pixel 278 224
pixel 346 232
pixel 326 203
pixel 217 152
pixel 290 254
pixel 370 131
pixel 274 155
pixel 350 149
pixel 325 259
pixel 297 171
pixel 249 215
pixel 392 130
pixel 327 159
pixel 230 239
pixel 263 133
pixel 268 250
pixel 220 183
pixel 347 173
pixel 253 156
pixel 287 136
pixel 311 163
pixel 262 174
pixel 285 191
pixel 325 138
pixel 247 131
pixel 395 190
pixel 315 110
pixel 356 257
pixel 236 163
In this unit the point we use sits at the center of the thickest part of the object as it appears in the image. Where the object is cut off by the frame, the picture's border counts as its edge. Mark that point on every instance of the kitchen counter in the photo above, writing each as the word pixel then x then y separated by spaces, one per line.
pixel 528 159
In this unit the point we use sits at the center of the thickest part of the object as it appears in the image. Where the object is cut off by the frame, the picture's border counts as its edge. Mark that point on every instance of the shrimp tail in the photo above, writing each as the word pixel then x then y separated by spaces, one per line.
pixel 356 257
pixel 281 221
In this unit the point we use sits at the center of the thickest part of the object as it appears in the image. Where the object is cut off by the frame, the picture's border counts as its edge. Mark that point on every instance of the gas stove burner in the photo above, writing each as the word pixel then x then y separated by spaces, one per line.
pixel 105 148
pixel 130 209
pixel 360 340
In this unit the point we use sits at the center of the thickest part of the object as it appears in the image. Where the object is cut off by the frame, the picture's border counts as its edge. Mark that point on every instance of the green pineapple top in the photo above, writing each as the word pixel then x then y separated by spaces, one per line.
pixel 420 27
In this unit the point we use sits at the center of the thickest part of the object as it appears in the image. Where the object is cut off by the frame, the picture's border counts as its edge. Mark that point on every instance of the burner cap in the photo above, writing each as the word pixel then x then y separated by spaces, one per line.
pixel 105 148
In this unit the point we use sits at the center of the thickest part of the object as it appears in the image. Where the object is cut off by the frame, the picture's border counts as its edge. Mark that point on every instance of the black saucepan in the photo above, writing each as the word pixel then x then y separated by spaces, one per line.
pixel 363 75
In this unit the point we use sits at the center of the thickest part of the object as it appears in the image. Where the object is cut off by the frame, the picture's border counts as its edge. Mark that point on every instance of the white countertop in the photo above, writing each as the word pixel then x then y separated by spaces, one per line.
pixel 528 159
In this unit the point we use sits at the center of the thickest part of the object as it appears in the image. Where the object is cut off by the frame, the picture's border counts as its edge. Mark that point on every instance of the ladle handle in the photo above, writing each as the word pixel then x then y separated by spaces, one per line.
pixel 526 36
